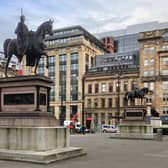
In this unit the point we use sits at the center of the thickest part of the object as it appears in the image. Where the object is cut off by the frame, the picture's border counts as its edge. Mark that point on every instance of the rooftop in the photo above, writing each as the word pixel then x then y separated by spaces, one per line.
pixel 134 29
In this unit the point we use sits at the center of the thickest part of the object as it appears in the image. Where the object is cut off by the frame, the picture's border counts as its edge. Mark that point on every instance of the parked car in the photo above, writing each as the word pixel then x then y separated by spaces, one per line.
pixel 109 128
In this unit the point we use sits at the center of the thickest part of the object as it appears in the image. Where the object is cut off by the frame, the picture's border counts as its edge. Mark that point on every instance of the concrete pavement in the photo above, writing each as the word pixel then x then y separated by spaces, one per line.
pixel 103 152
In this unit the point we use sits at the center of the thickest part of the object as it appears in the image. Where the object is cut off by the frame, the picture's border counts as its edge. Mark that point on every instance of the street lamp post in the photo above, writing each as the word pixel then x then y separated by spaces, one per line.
pixel 62 112
pixel 118 96
pixel 83 115
pixel 118 99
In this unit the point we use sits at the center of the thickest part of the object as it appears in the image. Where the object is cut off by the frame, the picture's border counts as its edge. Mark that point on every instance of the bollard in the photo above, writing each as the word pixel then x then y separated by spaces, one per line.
pixel 159 135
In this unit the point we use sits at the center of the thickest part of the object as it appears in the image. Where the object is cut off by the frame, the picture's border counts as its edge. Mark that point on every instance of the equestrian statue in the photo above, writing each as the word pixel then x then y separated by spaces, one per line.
pixel 136 93
pixel 28 43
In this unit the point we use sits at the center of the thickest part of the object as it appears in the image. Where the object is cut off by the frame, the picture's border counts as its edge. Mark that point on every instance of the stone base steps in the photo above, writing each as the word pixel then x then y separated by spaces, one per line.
pixel 41 157
pixel 133 136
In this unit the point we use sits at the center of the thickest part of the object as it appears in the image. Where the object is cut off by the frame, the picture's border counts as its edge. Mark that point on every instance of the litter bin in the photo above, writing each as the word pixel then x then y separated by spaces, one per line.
pixel 159 135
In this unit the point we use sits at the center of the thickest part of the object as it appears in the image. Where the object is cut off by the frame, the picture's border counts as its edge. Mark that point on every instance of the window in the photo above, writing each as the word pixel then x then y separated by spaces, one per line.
pixel 146 73
pixel 102 118
pixel 74 66
pixel 145 84
pixel 89 103
pixel 165 85
pixel 165 61
pixel 51 59
pixel 62 58
pixel 165 47
pixel 95 103
pixel 103 87
pixel 149 50
pixel 165 72
pixel 89 88
pixel 110 87
pixel 110 102
pixel 74 96
pixel 165 110
pixel 41 62
pixel 51 69
pixel 133 85
pixel 109 118
pixel 62 67
pixel 96 88
pixel 151 86
pixel 125 86
pixel 145 62
pixel 74 56
pixel 87 59
pixel 102 102
pixel 95 119
pixel 116 100
pixel 152 61
pixel 151 73
pixel 41 70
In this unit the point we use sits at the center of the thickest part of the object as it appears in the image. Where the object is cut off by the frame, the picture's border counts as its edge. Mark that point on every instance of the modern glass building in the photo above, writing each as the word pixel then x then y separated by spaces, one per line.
pixel 126 40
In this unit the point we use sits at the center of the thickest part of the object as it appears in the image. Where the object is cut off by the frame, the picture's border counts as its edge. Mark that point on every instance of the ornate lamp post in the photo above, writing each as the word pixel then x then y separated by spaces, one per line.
pixel 62 112
pixel 118 99
pixel 83 112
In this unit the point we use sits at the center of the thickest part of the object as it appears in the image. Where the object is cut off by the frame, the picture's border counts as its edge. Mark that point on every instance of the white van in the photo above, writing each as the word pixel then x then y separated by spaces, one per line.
pixel 109 128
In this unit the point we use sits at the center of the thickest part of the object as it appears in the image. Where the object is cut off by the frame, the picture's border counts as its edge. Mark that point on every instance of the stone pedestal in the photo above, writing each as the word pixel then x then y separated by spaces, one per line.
pixel 24 101
pixel 36 144
pixel 28 129
pixel 134 125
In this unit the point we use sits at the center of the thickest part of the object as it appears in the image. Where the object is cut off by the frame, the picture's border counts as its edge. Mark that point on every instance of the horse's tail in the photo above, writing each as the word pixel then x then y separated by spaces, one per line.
pixel 5 47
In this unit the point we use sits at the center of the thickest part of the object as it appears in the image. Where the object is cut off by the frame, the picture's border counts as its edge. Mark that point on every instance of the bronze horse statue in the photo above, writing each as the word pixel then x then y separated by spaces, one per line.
pixel 35 48
pixel 136 93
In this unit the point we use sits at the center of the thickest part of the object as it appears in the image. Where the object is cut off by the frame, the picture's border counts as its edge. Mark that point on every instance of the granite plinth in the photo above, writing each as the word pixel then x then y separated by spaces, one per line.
pixel 25 119
pixel 36 144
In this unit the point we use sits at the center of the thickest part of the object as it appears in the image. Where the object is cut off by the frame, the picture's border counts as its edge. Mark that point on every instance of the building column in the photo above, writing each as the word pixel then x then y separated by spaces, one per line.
pixel 99 118
pixel 106 117
pixel 68 109
pixel 80 113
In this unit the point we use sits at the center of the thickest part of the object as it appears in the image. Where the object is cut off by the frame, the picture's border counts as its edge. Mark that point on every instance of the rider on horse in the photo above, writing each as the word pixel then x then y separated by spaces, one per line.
pixel 22 37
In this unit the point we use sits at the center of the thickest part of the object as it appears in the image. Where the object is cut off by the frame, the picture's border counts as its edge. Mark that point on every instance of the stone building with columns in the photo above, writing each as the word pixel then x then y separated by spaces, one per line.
pixel 154 68
pixel 106 84
pixel 72 52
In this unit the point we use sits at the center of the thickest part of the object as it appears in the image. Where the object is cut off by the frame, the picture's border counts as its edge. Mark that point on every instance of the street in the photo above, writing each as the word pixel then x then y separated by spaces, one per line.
pixel 103 152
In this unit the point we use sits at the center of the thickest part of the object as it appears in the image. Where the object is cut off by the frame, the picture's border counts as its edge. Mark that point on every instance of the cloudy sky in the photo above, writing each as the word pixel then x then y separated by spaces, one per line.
pixel 94 15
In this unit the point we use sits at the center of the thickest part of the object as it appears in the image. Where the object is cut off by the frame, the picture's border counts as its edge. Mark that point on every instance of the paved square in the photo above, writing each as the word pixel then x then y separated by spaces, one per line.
pixel 103 152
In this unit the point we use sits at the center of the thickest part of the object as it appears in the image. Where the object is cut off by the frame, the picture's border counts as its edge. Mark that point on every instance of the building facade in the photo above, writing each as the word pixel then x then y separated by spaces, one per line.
pixel 154 68
pixel 106 85
pixel 72 52
pixel 12 69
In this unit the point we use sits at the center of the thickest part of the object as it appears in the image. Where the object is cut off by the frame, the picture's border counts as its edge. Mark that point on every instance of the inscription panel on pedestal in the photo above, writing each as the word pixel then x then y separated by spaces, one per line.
pixel 18 99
